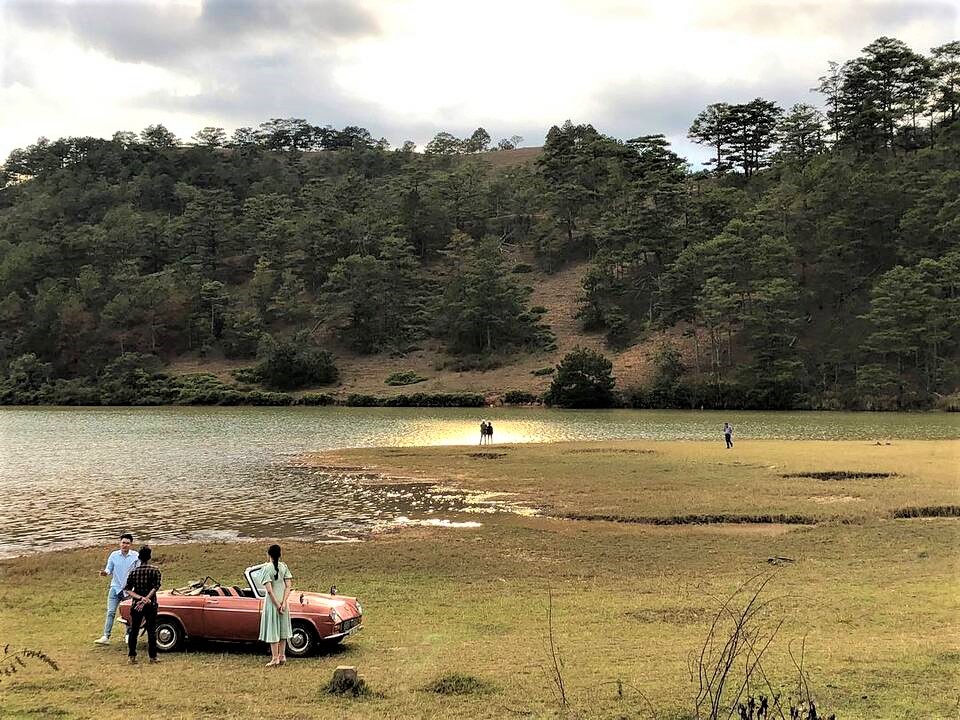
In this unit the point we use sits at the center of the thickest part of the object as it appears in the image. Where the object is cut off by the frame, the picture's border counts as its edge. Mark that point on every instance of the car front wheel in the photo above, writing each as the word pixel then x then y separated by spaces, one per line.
pixel 303 642
pixel 170 634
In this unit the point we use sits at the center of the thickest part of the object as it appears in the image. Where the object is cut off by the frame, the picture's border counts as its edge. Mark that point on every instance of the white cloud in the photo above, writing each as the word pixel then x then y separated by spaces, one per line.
pixel 410 68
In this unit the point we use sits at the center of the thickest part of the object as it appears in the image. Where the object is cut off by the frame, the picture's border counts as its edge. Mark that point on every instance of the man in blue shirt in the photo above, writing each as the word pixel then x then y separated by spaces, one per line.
pixel 118 566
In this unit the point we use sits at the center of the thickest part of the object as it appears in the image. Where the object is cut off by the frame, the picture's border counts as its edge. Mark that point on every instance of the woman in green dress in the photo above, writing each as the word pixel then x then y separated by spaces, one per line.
pixel 275 627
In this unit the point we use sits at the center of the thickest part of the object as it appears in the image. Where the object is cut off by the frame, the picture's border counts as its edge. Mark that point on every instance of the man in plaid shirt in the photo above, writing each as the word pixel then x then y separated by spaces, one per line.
pixel 142 585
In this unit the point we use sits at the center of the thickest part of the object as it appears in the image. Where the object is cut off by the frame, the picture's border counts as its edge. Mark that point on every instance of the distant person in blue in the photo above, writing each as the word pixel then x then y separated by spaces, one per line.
pixel 118 566
pixel 728 434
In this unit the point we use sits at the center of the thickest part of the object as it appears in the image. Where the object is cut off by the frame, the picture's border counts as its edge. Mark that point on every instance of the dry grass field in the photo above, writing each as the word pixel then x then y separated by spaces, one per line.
pixel 872 598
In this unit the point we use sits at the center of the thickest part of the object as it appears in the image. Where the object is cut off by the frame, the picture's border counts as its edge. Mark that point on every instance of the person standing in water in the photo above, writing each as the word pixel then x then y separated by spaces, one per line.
pixel 728 434
pixel 483 431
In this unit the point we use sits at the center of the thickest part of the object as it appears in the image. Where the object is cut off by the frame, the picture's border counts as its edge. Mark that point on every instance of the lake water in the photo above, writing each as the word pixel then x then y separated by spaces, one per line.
pixel 80 476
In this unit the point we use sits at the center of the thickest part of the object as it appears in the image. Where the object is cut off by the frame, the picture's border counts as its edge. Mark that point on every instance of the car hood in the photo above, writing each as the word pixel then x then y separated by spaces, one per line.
pixel 344 605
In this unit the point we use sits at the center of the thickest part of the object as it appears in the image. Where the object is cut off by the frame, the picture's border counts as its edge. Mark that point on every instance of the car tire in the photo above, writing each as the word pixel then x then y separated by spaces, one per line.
pixel 170 635
pixel 303 642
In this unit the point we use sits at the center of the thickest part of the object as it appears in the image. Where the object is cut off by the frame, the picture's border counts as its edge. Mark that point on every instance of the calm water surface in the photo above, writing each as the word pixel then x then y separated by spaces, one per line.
pixel 76 476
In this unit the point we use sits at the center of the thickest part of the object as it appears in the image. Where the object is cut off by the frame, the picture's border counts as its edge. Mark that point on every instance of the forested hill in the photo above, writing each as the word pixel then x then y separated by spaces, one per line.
pixel 816 264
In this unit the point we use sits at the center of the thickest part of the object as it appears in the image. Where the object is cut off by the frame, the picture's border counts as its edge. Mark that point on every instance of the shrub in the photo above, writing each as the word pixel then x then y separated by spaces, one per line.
pixel 360 400
pixel 540 372
pixel 408 377
pixel 316 399
pixel 468 363
pixel 949 403
pixel 257 397
pixel 458 684
pixel 520 397
pixel 295 363
pixel 416 400
pixel 247 375
pixel 348 688
pixel 131 379
pixel 522 268
pixel 584 379
pixel 72 392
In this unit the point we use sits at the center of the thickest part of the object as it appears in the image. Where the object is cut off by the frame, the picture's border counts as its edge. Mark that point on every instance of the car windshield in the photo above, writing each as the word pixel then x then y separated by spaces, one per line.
pixel 253 577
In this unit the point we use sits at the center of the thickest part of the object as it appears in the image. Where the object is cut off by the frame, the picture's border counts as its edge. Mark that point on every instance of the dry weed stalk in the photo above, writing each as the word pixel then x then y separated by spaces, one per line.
pixel 556 670
pixel 746 641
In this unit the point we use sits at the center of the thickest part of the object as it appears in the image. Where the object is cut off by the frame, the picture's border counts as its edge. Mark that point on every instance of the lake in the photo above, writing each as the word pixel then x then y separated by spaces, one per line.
pixel 80 476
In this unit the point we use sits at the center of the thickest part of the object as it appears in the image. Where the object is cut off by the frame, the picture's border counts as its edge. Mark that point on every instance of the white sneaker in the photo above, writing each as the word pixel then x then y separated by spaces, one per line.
pixel 102 640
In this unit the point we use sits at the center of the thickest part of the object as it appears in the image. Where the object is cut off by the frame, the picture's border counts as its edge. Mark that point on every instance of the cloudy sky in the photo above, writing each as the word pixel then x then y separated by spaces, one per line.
pixel 406 69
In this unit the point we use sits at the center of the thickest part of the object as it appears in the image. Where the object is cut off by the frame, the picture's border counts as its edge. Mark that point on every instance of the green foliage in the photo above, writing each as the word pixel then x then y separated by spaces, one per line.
pixel 287 364
pixel 416 400
pixel 520 397
pixel 668 368
pixel 460 684
pixel 345 687
pixel 378 301
pixel 316 399
pixel 247 375
pixel 470 363
pixel 408 377
pixel 584 379
pixel 242 333
pixel 482 308
pixel 540 372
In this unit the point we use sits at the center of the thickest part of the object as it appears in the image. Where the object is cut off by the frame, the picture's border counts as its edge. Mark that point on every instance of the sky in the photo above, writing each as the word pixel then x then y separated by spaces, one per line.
pixel 407 69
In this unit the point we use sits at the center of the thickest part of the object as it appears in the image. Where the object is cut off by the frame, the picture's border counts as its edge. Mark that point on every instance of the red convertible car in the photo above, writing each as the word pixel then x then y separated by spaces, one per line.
pixel 211 611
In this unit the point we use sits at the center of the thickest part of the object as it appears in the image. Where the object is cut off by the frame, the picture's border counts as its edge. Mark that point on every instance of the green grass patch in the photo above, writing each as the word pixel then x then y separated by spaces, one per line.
pixel 930 511
pixel 349 688
pixel 459 684
pixel 408 377
pixel 840 475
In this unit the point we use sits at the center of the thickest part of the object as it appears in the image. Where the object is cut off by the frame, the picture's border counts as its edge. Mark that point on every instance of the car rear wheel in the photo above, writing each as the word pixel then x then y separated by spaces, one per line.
pixel 303 642
pixel 170 635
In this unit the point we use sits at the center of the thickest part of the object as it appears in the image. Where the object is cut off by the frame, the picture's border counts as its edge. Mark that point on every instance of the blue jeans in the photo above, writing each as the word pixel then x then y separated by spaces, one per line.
pixel 113 600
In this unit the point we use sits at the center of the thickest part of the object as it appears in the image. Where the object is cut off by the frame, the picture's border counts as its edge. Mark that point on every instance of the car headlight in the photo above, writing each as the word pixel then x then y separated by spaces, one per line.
pixel 334 616
pixel 359 608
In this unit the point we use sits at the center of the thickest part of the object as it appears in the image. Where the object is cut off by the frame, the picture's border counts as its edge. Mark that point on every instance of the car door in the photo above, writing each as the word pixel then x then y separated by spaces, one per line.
pixel 228 616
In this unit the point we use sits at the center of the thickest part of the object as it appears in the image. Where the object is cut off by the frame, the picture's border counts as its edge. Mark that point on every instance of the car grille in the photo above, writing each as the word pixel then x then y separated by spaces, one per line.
pixel 351 623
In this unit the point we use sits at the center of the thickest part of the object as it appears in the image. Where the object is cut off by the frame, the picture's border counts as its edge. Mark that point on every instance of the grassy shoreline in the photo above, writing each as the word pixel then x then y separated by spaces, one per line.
pixel 877 598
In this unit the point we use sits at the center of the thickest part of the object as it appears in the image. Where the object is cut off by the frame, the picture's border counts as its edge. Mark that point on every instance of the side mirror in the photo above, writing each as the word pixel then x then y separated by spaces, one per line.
pixel 333 589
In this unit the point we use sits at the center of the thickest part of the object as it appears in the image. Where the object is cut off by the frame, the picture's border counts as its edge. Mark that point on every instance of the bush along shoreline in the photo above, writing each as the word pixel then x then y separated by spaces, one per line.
pixel 582 380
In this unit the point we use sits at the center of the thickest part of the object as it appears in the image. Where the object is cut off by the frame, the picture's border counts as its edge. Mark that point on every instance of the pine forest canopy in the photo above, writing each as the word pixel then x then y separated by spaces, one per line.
pixel 815 264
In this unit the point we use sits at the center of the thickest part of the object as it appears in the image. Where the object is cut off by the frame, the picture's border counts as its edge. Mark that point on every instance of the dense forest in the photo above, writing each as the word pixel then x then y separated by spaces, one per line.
pixel 815 264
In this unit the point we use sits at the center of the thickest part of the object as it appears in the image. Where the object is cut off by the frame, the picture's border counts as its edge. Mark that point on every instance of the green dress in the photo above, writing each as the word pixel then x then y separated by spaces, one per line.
pixel 274 626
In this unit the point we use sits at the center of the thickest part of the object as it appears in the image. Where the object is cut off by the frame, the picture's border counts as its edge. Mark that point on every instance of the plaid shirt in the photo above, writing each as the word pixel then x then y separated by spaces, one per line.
pixel 143 579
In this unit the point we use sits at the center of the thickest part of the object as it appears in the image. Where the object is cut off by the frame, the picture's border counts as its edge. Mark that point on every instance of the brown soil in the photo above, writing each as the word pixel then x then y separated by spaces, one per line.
pixel 511 158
